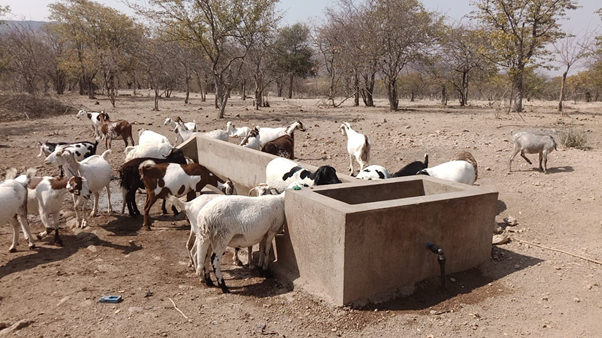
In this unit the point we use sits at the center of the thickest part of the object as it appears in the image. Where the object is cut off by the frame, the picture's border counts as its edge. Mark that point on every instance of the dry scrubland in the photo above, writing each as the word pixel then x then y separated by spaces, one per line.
pixel 523 290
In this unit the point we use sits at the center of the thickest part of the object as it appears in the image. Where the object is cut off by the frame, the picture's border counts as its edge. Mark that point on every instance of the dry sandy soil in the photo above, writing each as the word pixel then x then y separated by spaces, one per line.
pixel 524 290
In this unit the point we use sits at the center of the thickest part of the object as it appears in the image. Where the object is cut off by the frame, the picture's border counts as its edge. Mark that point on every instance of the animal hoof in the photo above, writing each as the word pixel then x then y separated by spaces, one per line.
pixel 148 228
pixel 31 247
pixel 209 282
pixel 38 236
pixel 238 262
pixel 59 243
pixel 12 250
pixel 225 289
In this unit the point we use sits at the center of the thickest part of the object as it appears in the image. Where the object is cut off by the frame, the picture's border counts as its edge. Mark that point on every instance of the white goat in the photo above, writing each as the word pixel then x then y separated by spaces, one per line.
pixel 268 134
pixel 252 140
pixel 45 197
pixel 159 150
pixel 456 171
pixel 95 169
pixel 146 136
pixel 13 199
pixel 532 143
pixel 358 147
pixel 218 134
pixel 189 126
pixel 94 119
pixel 241 132
pixel 374 172
pixel 237 221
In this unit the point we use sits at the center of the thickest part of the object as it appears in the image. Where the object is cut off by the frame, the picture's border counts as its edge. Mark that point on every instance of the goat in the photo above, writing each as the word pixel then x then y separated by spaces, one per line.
pixel 146 136
pixel 81 150
pixel 217 134
pixel 241 132
pixel 236 221
pixel 467 156
pixel 13 198
pixel 358 147
pixel 532 143
pixel 374 172
pixel 252 140
pixel 158 150
pixel 94 118
pixel 115 130
pixel 189 126
pixel 456 171
pixel 281 173
pixel 45 197
pixel 96 169
pixel 131 181
pixel 163 179
pixel 283 146
pixel 412 168
pixel 268 134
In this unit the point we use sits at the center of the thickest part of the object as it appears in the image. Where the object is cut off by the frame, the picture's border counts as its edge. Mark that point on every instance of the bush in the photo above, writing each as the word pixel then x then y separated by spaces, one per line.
pixel 573 138
pixel 24 106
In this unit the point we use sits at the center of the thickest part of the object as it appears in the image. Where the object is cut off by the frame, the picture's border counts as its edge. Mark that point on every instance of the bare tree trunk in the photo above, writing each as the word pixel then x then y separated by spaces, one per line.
pixel 392 93
pixel 444 94
pixel 368 90
pixel 156 99
pixel 135 83
pixel 258 90
pixel 562 84
pixel 111 89
pixel 290 86
pixel 518 90
pixel 244 90
pixel 356 88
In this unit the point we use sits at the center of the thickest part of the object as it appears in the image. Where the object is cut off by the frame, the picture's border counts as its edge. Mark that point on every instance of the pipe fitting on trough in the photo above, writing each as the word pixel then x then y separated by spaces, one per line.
pixel 440 258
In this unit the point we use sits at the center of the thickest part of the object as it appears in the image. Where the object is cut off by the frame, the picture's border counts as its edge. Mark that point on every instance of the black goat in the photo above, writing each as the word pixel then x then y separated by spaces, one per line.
pixel 413 168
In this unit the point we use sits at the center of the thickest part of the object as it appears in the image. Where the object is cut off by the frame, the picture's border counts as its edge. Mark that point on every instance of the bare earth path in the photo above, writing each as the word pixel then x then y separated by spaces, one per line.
pixel 523 290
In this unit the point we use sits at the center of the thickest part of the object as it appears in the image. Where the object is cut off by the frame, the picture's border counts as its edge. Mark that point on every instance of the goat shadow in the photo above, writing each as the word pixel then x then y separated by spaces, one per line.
pixel 552 170
pixel 125 225
pixel 46 253
pixel 470 286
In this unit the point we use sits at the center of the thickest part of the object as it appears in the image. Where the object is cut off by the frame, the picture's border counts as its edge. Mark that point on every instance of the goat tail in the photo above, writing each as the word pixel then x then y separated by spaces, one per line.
pixel 105 154
pixel 366 150
pixel 426 160
pixel 176 201
pixel 11 174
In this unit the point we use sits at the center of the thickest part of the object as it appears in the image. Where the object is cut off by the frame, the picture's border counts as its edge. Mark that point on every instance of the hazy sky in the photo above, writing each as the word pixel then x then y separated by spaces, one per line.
pixel 302 10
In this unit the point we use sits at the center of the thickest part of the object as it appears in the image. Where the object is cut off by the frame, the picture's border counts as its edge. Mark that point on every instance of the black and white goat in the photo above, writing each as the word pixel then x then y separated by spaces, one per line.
pixel 374 172
pixel 281 173
pixel 81 150
pixel 94 118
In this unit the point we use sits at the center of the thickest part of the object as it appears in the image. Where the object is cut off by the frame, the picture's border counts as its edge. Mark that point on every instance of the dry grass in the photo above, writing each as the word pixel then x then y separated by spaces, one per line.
pixel 24 106
pixel 574 138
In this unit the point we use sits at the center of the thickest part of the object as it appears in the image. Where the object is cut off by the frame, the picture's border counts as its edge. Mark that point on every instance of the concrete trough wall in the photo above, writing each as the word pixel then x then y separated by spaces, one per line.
pixel 365 241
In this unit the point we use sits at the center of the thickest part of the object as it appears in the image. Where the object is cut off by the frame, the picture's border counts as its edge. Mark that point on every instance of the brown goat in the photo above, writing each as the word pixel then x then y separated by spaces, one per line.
pixel 115 130
pixel 164 179
pixel 283 146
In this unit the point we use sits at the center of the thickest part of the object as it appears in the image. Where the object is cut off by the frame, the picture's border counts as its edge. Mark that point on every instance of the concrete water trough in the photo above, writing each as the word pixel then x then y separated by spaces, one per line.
pixel 364 241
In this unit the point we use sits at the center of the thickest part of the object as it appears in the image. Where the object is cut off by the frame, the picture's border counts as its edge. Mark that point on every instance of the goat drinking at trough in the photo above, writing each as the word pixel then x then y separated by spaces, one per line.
pixel 13 199
pixel 374 172
pixel 281 173
pixel 45 198
pixel 115 130
pixel 358 147
pixel 283 146
pixel 269 134
pixel 236 221
pixel 413 168
pixel 190 127
pixel 163 179
pixel 252 140
pixel 131 181
pixel 461 171
pixel 532 143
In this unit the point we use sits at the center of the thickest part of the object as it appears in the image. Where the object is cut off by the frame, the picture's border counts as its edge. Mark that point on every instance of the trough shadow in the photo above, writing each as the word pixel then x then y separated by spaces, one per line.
pixel 501 207
pixel 471 286
pixel 47 254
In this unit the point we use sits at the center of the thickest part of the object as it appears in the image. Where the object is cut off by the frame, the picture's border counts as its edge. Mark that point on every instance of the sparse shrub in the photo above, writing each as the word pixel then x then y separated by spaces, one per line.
pixel 19 106
pixel 574 138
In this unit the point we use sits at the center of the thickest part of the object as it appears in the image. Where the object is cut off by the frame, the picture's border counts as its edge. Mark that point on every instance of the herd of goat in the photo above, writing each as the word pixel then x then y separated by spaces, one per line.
pixel 217 221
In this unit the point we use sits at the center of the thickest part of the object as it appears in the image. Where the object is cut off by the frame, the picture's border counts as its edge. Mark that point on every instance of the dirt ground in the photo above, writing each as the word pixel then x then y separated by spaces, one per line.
pixel 524 290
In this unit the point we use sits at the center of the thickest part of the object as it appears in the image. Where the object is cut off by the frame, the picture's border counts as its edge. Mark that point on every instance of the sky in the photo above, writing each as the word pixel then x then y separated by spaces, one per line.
pixel 302 10
pixel 577 21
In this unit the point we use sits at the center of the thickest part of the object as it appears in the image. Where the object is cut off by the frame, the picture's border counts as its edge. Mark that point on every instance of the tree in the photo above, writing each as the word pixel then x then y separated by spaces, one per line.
pixel 97 38
pixel 405 33
pixel 519 31
pixel 294 53
pixel 570 50
pixel 223 31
